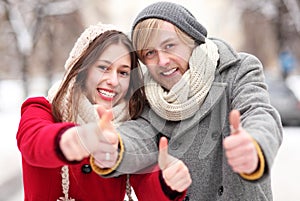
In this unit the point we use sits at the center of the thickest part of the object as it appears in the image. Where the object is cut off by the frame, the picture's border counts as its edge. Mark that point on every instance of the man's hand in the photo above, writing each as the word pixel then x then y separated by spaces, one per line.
pixel 174 171
pixel 239 147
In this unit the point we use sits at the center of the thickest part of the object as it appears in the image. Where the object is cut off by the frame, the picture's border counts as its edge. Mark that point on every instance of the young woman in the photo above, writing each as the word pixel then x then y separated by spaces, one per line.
pixel 57 135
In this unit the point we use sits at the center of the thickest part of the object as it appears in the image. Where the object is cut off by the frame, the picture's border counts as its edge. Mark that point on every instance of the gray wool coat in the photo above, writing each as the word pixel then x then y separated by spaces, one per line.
pixel 197 141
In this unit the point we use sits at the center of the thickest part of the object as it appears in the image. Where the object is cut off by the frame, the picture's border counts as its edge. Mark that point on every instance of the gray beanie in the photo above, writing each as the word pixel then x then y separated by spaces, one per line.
pixel 175 14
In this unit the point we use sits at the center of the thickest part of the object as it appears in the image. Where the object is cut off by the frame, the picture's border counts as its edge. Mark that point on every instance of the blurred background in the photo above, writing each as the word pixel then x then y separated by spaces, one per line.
pixel 37 35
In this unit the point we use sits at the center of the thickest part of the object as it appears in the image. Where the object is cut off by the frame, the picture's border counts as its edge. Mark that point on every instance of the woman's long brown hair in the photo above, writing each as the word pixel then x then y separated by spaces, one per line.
pixel 135 94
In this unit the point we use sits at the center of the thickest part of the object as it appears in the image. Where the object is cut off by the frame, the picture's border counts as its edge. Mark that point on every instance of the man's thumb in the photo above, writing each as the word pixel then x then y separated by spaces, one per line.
pixel 163 153
pixel 234 120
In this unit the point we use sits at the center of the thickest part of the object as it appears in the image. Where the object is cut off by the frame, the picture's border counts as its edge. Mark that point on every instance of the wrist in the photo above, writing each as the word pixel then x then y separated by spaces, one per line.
pixel 57 148
pixel 107 171
pixel 167 189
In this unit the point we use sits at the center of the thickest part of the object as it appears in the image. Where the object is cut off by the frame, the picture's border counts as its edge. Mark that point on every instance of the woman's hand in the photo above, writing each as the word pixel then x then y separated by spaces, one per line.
pixel 99 139
pixel 71 145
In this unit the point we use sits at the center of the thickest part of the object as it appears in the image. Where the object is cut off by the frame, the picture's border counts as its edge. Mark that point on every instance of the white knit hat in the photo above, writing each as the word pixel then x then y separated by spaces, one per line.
pixel 80 46
pixel 83 42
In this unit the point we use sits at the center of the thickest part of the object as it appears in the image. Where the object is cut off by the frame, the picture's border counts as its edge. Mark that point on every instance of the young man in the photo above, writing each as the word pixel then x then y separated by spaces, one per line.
pixel 210 101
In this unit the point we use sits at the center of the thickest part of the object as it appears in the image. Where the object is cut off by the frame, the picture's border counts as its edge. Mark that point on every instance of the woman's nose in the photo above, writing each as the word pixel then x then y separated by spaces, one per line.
pixel 113 79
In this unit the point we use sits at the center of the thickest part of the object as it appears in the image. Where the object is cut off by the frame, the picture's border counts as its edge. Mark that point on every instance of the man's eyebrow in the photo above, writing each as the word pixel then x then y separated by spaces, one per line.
pixel 163 42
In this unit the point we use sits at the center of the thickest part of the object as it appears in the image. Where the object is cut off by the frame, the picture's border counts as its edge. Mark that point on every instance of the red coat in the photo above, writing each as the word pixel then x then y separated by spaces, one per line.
pixel 42 166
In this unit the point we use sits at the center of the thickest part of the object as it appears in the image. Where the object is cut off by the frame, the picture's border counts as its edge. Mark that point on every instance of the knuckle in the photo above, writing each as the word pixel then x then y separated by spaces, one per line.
pixel 185 170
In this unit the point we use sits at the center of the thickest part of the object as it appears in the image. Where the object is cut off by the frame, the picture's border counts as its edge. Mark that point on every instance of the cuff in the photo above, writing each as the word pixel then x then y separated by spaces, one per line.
pixel 57 148
pixel 261 165
pixel 171 194
pixel 106 171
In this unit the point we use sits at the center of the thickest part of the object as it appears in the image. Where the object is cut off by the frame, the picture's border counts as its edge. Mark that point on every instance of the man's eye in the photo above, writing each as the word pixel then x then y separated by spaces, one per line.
pixel 150 54
pixel 169 46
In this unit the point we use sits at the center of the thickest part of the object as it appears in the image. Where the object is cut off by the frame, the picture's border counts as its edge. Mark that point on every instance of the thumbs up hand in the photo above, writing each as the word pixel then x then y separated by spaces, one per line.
pixel 99 139
pixel 239 147
pixel 174 171
pixel 106 153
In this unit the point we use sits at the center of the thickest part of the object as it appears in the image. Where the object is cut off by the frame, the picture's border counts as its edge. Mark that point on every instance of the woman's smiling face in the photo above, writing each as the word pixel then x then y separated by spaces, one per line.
pixel 108 79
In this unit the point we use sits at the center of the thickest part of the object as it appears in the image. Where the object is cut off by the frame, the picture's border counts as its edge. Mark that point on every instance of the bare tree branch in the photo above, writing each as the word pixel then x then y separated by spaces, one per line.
pixel 23 36
pixel 60 8
pixel 294 11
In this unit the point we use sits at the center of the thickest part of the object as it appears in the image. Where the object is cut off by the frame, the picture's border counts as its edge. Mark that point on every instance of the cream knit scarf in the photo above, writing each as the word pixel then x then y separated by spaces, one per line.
pixel 87 112
pixel 186 96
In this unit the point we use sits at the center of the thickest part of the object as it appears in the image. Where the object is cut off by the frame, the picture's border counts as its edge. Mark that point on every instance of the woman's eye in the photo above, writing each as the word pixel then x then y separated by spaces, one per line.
pixel 125 73
pixel 104 68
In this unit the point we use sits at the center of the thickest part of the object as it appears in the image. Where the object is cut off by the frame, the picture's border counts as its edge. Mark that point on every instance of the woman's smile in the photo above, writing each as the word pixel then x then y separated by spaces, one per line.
pixel 106 94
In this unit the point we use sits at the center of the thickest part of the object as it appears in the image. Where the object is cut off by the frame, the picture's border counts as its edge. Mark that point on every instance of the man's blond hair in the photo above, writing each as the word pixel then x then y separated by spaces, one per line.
pixel 148 29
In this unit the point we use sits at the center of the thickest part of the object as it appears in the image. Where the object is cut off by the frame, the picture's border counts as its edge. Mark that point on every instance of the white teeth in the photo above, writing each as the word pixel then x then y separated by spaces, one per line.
pixel 106 93
pixel 169 72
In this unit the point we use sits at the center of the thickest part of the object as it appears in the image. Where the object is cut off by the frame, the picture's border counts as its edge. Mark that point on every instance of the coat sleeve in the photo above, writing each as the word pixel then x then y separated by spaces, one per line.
pixel 140 146
pixel 148 187
pixel 258 117
pixel 37 133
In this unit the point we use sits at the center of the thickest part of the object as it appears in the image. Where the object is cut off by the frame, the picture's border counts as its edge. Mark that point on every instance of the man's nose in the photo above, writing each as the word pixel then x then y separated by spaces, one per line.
pixel 163 58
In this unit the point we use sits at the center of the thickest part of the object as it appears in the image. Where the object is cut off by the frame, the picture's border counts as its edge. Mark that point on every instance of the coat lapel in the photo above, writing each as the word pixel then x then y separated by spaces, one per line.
pixel 213 97
pixel 186 131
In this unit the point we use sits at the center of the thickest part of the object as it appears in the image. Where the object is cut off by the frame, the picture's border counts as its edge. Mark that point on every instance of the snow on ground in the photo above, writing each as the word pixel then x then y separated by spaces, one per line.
pixel 10 97
pixel 293 83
